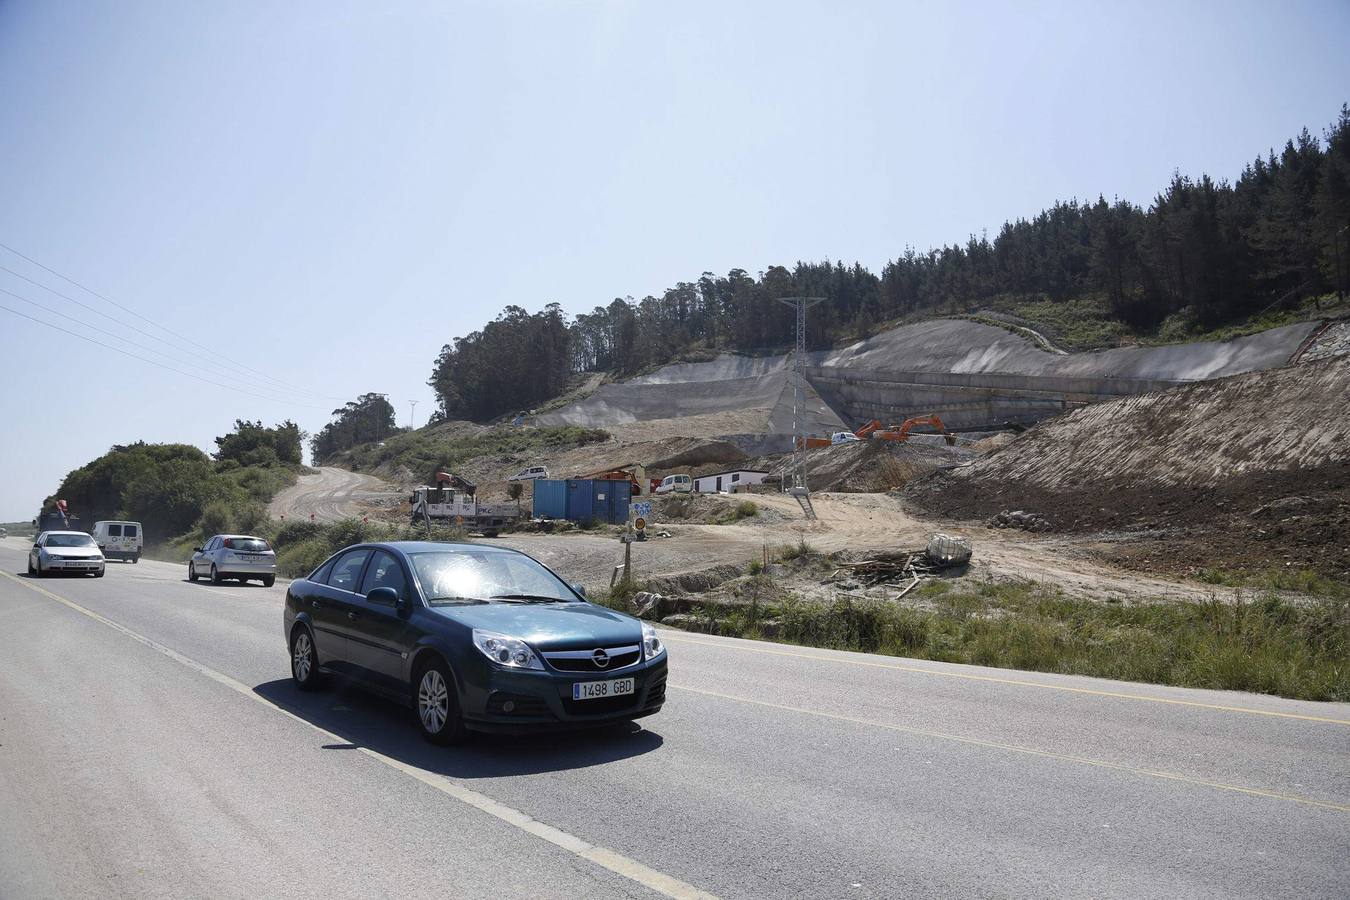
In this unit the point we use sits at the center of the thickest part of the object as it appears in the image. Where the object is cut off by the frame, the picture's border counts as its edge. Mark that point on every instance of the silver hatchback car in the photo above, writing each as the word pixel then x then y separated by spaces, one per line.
pixel 234 556
pixel 65 551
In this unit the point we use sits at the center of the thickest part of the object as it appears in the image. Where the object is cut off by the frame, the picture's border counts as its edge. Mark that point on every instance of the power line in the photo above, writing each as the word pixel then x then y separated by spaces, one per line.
pixel 153 362
pixel 182 356
pixel 163 328
pixel 280 398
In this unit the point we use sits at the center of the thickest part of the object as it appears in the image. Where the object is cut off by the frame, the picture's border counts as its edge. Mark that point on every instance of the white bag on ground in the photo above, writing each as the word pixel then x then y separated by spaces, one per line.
pixel 946 550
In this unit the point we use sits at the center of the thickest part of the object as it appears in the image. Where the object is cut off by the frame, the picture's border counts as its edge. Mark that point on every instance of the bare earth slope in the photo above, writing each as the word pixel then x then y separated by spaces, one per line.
pixel 1254 468
pixel 977 376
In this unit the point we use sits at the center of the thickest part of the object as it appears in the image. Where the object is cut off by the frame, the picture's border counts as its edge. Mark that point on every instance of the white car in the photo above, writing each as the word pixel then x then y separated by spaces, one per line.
pixel 65 551
pixel 676 484
pixel 234 556
pixel 843 437
pixel 533 473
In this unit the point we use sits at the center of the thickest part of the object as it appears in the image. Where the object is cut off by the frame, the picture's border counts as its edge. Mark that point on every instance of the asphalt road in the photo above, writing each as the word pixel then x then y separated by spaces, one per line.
pixel 151 745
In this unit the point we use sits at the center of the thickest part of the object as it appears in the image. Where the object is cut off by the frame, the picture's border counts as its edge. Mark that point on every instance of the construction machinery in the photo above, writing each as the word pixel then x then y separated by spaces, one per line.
pixel 901 432
pixel 452 500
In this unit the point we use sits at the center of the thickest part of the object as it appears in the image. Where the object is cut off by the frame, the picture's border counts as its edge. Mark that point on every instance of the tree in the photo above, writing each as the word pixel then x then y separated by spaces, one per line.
pixel 250 444
pixel 370 417
pixel 1218 251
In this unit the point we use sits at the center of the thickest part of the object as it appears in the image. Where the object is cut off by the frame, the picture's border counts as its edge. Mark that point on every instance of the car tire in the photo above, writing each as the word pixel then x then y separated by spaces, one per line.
pixel 192 572
pixel 31 570
pixel 437 705
pixel 215 576
pixel 305 661
pixel 242 580
pixel 99 573
pixel 269 580
pixel 38 571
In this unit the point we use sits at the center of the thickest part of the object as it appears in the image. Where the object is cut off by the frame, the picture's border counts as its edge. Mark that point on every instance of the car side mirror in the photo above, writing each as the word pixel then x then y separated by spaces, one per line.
pixel 37 546
pixel 579 588
pixel 384 596
pixel 196 549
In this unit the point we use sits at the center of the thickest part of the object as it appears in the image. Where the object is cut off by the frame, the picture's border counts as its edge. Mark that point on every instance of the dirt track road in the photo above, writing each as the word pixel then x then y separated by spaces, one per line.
pixel 848 521
pixel 329 496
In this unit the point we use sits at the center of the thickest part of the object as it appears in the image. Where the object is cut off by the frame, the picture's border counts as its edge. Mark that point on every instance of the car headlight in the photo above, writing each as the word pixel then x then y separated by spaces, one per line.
pixel 505 651
pixel 651 644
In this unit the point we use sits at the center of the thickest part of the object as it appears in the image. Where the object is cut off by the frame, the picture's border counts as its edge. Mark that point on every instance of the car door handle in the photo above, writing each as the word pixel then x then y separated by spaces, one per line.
pixel 353 616
pixel 315 604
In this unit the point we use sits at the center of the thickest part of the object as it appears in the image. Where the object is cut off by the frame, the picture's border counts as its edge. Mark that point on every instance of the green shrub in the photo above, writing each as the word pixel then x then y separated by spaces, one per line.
pixel 299 559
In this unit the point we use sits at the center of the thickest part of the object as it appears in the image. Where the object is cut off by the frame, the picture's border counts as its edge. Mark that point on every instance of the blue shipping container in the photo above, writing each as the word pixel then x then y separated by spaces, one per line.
pixel 550 499
pixel 582 500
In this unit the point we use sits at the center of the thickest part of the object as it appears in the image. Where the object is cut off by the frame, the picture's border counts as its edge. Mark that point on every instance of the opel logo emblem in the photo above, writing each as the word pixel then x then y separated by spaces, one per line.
pixel 600 658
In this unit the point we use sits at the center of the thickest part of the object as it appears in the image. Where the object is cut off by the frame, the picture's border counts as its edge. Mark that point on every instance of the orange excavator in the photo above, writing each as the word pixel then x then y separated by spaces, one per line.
pixel 901 432
pixel 873 429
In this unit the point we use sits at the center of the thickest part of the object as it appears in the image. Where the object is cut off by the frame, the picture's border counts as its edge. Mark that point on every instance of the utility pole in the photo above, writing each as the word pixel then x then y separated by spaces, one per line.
pixel 412 414
pixel 796 483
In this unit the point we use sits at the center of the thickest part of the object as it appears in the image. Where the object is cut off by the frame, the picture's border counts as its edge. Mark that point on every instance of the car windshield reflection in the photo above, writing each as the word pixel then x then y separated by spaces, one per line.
pixel 69 540
pixel 473 576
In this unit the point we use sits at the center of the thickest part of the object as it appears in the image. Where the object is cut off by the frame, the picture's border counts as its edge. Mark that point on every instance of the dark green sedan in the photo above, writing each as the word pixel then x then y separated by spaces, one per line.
pixel 471 637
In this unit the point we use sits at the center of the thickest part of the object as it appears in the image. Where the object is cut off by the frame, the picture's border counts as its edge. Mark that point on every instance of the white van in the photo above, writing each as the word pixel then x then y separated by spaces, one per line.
pixel 119 540
pixel 533 473
pixel 675 484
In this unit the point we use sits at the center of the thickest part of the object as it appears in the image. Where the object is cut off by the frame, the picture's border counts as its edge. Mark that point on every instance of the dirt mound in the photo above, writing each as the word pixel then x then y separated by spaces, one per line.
pixel 873 466
pixel 1249 472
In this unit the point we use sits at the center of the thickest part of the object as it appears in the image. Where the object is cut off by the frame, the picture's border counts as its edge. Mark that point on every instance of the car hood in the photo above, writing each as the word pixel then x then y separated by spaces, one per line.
pixel 550 626
pixel 73 552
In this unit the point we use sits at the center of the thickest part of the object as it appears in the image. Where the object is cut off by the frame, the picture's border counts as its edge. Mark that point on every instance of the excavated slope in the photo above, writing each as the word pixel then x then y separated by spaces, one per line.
pixel 1205 433
pixel 976 376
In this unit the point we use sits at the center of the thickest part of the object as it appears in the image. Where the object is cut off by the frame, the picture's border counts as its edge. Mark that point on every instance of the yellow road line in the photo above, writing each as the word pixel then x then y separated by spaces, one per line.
pixel 612 860
pixel 1119 695
pixel 1028 751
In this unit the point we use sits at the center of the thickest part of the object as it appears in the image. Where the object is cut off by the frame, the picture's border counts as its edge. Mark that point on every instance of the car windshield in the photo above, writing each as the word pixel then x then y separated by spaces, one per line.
pixel 455 576
pixel 247 545
pixel 69 540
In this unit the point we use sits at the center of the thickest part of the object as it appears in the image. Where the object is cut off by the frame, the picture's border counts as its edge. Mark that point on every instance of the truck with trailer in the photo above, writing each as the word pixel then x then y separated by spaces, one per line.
pixel 453 500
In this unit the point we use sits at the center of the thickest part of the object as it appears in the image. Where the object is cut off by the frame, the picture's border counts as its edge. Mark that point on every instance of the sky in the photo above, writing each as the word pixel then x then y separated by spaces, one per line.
pixel 290 204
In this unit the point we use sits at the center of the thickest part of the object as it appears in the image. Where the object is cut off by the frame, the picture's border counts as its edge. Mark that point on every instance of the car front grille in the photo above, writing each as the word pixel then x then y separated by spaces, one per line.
pixel 584 660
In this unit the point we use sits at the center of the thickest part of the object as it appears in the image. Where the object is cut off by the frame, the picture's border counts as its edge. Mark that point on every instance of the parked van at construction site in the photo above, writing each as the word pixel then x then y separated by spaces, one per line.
pixel 676 484
pixel 119 540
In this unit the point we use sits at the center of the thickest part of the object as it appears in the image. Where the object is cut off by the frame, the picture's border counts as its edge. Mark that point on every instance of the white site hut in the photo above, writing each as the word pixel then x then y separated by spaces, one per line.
pixel 730 480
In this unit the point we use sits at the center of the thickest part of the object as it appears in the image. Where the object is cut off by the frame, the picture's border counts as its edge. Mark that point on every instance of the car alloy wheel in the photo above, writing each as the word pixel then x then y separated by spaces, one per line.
pixel 433 701
pixel 215 576
pixel 438 707
pixel 304 662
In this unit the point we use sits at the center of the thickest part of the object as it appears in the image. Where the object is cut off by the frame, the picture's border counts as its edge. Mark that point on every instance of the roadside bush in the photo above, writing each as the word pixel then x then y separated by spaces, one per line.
pixel 301 558
pixel 217 518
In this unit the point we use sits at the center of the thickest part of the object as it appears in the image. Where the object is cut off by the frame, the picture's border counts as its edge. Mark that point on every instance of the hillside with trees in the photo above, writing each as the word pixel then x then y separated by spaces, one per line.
pixel 170 488
pixel 1203 255
pixel 368 418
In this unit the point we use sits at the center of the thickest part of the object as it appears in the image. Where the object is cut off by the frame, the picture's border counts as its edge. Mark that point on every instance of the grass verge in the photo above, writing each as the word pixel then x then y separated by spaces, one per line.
pixel 1257 642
